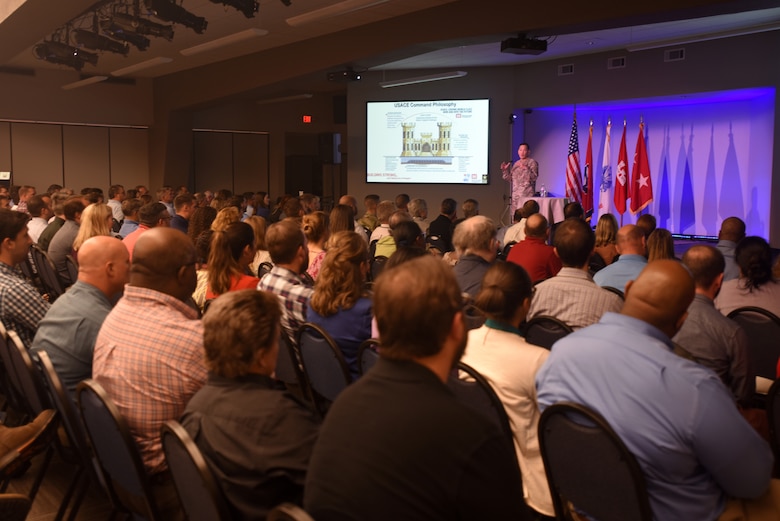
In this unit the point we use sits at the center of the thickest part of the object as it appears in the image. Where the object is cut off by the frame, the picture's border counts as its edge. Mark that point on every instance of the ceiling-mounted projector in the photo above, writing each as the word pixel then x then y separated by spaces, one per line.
pixel 523 45
pixel 344 76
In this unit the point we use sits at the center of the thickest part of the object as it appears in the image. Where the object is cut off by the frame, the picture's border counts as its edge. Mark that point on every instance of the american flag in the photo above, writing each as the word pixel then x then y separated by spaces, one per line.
pixel 573 174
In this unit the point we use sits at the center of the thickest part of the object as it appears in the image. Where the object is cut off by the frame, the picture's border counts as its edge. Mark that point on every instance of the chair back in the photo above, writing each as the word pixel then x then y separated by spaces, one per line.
pixel 73 268
pixel 323 363
pixel 773 417
pixel 473 316
pixel 47 272
pixel 115 449
pixel 377 265
pixel 14 507
pixel 13 390
pixel 368 354
pixel 288 512
pixel 264 269
pixel 615 291
pixel 29 378
pixel 62 402
pixel 474 391
pixel 198 491
pixel 589 467
pixel 544 331
pixel 763 330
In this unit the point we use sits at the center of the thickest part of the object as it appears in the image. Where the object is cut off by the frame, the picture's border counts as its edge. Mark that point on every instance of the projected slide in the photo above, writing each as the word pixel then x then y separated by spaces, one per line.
pixel 442 141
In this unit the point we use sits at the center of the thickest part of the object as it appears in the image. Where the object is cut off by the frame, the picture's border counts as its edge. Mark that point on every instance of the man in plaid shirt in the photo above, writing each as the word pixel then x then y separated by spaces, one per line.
pixel 21 306
pixel 149 353
pixel 287 246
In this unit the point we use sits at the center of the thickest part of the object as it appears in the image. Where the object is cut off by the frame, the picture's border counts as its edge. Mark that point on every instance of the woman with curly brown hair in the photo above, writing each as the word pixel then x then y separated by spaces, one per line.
pixel 340 303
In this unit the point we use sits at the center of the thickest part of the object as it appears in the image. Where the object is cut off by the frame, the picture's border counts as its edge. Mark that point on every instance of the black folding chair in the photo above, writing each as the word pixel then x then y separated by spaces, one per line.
pixel 12 386
pixel 763 332
pixel 116 450
pixel 615 291
pixel 588 467
pixel 73 268
pixel 47 273
pixel 28 377
pixel 473 390
pixel 473 316
pixel 78 450
pixel 14 507
pixel 544 331
pixel 323 365
pixel 368 354
pixel 773 417
pixel 198 491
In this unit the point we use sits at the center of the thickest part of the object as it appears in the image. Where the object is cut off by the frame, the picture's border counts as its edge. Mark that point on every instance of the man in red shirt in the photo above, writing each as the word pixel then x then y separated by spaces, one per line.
pixel 533 253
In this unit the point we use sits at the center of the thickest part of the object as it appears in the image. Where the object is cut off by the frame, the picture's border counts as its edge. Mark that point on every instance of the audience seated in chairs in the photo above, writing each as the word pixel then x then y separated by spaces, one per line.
pixel 498 351
pixel 262 256
pixel 340 303
pixel 62 242
pixel 232 251
pixel 396 444
pixel 259 453
pixel 571 296
pixel 683 428
pixel 68 331
pixel 756 286
pixel 21 306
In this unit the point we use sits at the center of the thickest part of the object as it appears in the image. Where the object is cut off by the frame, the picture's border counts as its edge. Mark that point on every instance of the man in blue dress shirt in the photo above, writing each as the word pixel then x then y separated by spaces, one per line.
pixel 674 415
pixel 632 249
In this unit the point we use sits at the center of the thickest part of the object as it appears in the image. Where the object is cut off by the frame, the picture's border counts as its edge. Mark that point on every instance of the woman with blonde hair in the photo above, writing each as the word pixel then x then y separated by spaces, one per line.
pixel 225 216
pixel 232 250
pixel 605 251
pixel 258 224
pixel 500 353
pixel 340 303
pixel 315 228
pixel 660 245
pixel 96 219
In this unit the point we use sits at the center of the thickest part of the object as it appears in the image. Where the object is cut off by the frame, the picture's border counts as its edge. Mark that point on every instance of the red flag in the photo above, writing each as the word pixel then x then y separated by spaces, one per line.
pixel 573 173
pixel 587 199
pixel 621 181
pixel 641 185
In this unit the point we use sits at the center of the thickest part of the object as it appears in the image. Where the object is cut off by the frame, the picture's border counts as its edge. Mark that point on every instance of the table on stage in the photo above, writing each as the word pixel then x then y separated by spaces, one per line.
pixel 550 207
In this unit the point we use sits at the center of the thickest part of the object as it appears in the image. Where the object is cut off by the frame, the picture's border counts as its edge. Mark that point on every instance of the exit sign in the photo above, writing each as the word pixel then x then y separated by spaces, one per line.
pixel 306 118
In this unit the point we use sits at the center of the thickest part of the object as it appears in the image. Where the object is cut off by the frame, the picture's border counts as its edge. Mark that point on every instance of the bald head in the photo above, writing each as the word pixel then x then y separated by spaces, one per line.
pixel 105 264
pixel 164 260
pixel 732 229
pixel 631 240
pixel 706 265
pixel 660 295
pixel 536 226
pixel 349 200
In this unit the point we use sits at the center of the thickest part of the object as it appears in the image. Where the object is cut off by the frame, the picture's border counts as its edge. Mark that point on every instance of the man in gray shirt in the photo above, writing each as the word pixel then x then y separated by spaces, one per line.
pixel 714 340
pixel 731 232
pixel 68 331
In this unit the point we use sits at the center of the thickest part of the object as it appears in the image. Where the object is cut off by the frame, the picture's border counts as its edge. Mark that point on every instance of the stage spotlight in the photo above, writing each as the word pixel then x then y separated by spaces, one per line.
pixel 64 54
pixel 248 7
pixel 138 25
pixel 99 42
pixel 170 12
pixel 116 31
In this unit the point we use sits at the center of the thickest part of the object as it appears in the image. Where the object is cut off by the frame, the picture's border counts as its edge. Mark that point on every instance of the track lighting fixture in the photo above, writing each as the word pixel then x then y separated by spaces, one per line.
pixel 171 12
pixel 98 42
pixel 248 7
pixel 142 26
pixel 64 54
